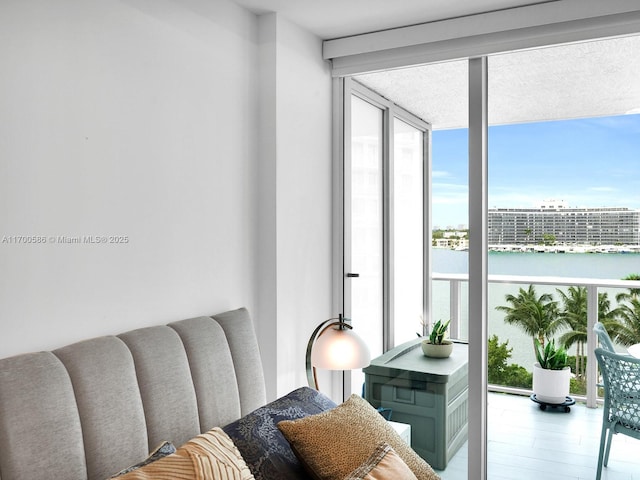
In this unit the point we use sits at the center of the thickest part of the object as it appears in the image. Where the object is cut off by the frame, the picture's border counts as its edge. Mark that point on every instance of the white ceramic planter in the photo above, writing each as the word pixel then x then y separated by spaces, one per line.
pixel 437 351
pixel 551 386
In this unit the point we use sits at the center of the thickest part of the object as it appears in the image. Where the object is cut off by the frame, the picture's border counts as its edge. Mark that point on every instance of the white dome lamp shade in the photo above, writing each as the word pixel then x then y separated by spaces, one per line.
pixel 335 346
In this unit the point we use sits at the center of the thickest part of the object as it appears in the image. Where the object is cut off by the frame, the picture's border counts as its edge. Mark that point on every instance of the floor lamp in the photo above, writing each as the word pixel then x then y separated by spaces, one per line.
pixel 335 346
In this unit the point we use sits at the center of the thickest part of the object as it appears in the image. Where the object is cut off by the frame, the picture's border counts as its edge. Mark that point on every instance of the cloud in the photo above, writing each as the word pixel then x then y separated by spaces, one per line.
pixel 440 174
pixel 449 194
pixel 629 122
pixel 450 186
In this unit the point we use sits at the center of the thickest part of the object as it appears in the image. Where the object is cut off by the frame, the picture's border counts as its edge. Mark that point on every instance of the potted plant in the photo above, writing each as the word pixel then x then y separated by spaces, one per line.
pixel 436 346
pixel 551 373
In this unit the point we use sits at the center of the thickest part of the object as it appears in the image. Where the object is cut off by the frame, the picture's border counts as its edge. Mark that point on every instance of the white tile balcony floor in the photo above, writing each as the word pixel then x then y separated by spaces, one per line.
pixel 526 443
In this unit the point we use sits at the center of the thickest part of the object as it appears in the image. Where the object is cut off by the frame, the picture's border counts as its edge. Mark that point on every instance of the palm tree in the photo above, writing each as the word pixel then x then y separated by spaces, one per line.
pixel 536 316
pixel 627 332
pixel 633 292
pixel 574 314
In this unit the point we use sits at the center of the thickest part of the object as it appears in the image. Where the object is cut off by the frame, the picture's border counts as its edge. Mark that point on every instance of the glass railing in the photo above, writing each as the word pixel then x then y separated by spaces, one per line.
pixel 450 294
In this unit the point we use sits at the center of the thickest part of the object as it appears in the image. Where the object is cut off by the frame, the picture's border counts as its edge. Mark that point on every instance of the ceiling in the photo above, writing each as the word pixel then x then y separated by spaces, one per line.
pixel 589 79
pixel 597 78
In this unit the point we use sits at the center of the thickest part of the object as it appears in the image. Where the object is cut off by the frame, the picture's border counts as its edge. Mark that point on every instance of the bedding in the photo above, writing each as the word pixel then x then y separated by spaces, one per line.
pixel 211 455
pixel 261 443
pixel 383 464
pixel 332 444
pixel 164 449
pixel 255 448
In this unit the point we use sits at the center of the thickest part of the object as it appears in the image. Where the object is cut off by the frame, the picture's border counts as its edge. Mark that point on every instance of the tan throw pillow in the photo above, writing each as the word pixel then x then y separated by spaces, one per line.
pixel 207 456
pixel 334 443
pixel 383 464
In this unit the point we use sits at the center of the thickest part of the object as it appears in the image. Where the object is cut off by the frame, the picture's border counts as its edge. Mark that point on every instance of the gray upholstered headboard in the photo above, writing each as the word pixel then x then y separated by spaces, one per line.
pixel 87 410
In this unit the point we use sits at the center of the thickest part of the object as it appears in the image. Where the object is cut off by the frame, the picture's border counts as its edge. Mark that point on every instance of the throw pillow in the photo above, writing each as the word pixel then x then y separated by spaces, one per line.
pixel 163 450
pixel 383 464
pixel 207 456
pixel 334 443
pixel 262 445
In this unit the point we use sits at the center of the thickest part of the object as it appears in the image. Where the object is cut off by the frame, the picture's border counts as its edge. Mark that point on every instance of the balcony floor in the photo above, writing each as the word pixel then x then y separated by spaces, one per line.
pixel 529 444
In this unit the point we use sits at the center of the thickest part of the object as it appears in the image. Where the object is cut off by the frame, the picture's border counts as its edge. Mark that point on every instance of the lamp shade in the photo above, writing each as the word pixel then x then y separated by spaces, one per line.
pixel 334 346
pixel 340 349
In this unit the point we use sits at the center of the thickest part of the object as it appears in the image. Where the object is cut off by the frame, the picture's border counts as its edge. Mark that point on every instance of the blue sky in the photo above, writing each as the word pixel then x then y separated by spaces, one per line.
pixel 591 162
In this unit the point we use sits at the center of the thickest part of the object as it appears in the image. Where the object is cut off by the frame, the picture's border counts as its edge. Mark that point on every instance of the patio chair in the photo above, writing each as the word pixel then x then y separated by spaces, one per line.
pixel 621 413
pixel 603 336
pixel 605 342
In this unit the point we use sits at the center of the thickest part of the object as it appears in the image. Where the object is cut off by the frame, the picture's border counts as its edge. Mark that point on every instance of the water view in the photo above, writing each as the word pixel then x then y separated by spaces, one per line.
pixel 542 264
pixel 580 265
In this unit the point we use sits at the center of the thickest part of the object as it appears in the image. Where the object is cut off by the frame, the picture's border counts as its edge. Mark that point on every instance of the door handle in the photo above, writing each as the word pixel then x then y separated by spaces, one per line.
pixel 353 275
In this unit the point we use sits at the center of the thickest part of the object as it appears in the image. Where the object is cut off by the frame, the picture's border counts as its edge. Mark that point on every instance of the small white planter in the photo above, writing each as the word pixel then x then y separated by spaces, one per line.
pixel 437 351
pixel 551 386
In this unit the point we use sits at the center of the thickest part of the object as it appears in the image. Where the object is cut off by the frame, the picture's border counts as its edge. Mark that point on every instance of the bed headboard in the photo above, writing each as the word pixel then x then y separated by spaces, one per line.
pixel 87 410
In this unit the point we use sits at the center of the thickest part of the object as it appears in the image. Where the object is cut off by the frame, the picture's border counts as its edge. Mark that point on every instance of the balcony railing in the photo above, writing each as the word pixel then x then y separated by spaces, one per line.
pixel 592 285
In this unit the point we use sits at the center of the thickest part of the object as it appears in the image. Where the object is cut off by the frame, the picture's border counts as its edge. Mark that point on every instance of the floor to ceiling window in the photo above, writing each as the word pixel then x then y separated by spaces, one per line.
pixel 478 183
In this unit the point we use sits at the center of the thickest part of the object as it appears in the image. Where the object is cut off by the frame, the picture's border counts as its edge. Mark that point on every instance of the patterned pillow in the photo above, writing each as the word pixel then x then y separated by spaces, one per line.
pixel 266 451
pixel 164 449
pixel 383 464
pixel 334 443
pixel 211 455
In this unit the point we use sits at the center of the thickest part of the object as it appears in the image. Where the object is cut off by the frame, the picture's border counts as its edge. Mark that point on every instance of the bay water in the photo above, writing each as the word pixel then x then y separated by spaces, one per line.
pixel 580 265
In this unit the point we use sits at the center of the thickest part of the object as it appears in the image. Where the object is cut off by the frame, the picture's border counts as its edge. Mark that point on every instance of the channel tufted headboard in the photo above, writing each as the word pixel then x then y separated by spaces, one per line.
pixel 87 410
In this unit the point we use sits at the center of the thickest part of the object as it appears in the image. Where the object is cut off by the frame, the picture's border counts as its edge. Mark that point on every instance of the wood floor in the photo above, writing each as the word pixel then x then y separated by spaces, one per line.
pixel 526 443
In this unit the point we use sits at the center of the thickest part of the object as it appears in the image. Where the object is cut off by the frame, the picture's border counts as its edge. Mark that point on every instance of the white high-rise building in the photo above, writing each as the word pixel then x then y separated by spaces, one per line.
pixel 570 226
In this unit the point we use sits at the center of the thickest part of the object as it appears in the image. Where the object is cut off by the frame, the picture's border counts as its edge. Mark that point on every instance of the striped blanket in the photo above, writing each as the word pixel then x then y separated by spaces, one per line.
pixel 211 455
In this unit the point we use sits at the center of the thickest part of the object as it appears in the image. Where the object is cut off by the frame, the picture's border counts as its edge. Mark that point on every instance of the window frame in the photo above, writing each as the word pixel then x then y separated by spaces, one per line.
pixel 344 88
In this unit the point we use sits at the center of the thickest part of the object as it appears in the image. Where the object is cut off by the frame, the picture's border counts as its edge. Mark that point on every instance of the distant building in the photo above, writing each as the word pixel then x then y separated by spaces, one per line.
pixel 454 233
pixel 569 226
pixel 451 243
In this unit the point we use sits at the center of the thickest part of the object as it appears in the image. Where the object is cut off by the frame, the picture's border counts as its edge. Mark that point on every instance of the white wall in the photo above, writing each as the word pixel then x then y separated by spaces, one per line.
pixel 295 198
pixel 134 118
pixel 196 130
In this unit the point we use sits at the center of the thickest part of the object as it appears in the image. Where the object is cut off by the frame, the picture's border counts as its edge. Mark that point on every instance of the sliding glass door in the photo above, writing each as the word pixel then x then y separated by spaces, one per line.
pixel 385 170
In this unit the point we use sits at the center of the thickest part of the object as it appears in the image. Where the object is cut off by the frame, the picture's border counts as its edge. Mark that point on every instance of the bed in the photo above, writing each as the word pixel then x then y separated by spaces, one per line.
pixel 108 405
